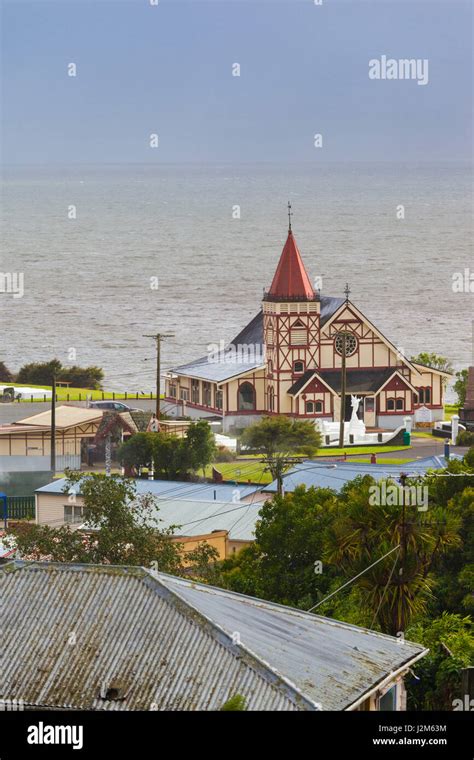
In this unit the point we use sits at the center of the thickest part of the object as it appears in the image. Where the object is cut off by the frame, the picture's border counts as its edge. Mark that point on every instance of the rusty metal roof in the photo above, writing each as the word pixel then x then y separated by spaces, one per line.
pixel 117 638
pixel 124 638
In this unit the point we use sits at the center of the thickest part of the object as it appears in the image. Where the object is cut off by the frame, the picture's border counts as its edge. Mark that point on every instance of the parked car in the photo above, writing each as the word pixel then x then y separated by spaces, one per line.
pixel 113 406
pixel 443 429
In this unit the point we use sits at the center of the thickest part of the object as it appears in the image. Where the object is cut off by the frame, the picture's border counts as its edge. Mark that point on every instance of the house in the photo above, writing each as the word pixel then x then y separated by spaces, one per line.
pixel 223 515
pixel 288 360
pixel 127 638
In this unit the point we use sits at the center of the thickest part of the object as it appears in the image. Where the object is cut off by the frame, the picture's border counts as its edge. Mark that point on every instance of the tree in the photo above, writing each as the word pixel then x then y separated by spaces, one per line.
pixel 171 456
pixel 39 373
pixel 136 451
pixel 277 438
pixel 122 529
pixel 433 360
pixel 399 587
pixel 42 373
pixel 460 386
pixel 5 375
pixel 450 639
pixel 200 439
pixel 83 377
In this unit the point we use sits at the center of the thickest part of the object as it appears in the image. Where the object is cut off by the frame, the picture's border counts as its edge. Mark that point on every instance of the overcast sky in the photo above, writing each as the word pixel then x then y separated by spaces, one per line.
pixel 167 70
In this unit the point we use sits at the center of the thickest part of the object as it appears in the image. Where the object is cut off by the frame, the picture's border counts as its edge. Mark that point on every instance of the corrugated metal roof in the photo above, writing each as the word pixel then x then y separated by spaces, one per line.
pixel 74 633
pixel 66 416
pixel 336 474
pixel 174 489
pixel 332 663
pixel 196 518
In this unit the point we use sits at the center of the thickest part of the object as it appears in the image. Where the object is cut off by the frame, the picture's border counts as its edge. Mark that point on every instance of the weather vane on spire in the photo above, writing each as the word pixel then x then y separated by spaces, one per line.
pixel 347 291
pixel 290 214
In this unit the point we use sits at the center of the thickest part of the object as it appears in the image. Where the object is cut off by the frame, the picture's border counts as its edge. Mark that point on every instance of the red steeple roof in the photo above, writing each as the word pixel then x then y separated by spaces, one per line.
pixel 291 278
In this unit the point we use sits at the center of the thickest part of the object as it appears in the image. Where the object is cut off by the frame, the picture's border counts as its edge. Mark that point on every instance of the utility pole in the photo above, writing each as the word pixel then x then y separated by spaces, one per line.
pixel 343 392
pixel 158 338
pixel 53 427
pixel 343 378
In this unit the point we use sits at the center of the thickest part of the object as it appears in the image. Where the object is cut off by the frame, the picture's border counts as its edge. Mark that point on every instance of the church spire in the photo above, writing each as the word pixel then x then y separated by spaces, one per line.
pixel 291 281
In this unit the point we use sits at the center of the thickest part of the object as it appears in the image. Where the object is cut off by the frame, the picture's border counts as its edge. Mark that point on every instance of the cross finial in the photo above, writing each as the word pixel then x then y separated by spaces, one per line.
pixel 347 291
pixel 290 214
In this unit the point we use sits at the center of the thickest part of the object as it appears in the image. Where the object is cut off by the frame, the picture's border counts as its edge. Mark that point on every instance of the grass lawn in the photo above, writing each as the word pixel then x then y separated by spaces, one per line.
pixel 81 394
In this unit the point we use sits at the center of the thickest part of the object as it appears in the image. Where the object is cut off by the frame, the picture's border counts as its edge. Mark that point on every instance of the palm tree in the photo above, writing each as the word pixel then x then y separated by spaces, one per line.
pixel 399 586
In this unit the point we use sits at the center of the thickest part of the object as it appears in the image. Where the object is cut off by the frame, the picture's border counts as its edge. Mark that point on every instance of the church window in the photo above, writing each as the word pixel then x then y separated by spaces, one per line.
pixel 173 390
pixel 195 391
pixel 400 405
pixel 270 367
pixel 207 394
pixel 184 394
pixel 424 395
pixel 351 343
pixel 314 407
pixel 271 399
pixel 298 367
pixel 246 397
pixel 218 399
pixel 390 405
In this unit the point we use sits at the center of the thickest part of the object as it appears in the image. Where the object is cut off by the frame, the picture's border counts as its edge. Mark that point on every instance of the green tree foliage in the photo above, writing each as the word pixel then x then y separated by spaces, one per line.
pixel 399 587
pixel 460 386
pixel 278 438
pixel 173 458
pixel 42 373
pixel 450 639
pixel 136 451
pixel 39 373
pixel 433 360
pixel 200 440
pixel 5 375
pixel 122 530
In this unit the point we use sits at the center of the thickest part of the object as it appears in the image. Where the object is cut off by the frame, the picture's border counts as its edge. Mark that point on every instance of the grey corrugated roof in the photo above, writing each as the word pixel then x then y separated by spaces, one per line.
pixel 332 663
pixel 173 489
pixel 196 518
pixel 168 643
pixel 130 631
pixel 336 474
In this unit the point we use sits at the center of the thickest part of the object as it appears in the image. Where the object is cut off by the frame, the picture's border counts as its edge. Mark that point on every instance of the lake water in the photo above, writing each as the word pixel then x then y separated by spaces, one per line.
pixel 90 282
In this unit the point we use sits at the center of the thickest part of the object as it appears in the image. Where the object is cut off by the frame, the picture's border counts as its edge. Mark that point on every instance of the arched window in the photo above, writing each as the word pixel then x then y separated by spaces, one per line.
pixel 271 399
pixel 400 405
pixel 298 367
pixel 314 407
pixel 390 405
pixel 246 397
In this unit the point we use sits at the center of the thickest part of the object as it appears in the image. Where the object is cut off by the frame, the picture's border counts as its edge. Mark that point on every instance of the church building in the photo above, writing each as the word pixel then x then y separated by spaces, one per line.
pixel 287 360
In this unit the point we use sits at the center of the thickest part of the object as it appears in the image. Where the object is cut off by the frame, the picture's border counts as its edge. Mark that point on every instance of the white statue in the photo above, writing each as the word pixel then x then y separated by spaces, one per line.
pixel 355 407
pixel 356 426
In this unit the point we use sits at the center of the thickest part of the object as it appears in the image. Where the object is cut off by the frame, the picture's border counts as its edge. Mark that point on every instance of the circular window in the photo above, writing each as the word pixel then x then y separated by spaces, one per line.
pixel 351 343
